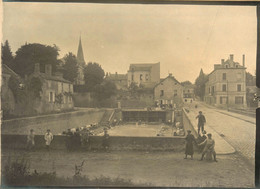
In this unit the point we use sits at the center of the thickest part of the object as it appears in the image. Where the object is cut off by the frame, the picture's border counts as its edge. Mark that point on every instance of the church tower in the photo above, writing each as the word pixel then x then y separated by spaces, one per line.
pixel 81 64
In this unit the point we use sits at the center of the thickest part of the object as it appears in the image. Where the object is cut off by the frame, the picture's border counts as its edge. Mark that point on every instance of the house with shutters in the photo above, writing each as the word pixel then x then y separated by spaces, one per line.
pixel 147 74
pixel 56 91
pixel 168 91
pixel 226 85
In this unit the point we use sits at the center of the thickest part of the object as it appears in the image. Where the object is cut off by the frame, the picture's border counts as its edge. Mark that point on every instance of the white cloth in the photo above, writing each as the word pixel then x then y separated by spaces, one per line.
pixel 48 138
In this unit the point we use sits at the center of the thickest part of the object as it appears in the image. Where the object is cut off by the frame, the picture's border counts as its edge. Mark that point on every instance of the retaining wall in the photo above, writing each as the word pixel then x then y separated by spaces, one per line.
pixel 56 122
pixel 115 142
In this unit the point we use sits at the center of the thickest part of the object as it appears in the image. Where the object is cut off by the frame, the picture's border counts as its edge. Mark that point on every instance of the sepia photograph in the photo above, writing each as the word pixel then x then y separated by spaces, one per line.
pixel 128 95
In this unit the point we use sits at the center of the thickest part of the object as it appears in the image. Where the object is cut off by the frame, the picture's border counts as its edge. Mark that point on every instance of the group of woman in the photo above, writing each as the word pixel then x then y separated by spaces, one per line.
pixel 205 143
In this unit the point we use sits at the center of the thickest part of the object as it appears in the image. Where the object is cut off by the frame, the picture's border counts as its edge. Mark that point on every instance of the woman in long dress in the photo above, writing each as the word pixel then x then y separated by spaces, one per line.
pixel 189 145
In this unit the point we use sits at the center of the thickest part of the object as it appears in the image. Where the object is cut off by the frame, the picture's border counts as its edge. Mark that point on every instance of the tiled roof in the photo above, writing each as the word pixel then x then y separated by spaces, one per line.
pixel 52 77
pixel 7 70
pixel 170 77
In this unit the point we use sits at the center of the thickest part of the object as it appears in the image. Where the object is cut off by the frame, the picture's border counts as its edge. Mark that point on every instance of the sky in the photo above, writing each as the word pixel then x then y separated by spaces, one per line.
pixel 183 38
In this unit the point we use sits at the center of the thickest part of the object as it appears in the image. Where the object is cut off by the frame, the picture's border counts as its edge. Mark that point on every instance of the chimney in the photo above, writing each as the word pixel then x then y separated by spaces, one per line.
pixel 170 74
pixel 48 69
pixel 243 60
pixel 231 57
pixel 37 68
pixel 222 61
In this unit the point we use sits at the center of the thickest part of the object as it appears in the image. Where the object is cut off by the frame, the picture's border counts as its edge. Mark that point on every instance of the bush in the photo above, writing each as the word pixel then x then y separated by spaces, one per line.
pixel 17 173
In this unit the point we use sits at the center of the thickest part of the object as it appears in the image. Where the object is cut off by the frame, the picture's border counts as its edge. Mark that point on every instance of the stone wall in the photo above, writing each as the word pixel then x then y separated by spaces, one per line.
pixel 56 122
pixel 115 142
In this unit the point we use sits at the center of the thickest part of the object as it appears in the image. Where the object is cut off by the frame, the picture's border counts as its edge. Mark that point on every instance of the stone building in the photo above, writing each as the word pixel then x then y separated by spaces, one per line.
pixel 56 91
pixel 81 64
pixel 226 85
pixel 188 92
pixel 146 74
pixel 168 91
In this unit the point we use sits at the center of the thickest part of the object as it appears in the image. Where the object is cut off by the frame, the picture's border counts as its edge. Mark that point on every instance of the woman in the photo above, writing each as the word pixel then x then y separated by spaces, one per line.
pixel 189 145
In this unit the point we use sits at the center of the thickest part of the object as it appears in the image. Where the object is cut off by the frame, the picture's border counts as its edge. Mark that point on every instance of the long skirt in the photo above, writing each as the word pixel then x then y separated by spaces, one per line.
pixel 189 149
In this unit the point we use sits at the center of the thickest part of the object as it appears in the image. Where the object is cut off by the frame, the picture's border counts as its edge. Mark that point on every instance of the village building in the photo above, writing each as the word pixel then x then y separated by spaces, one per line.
pixel 81 64
pixel 188 92
pixel 226 85
pixel 56 91
pixel 147 75
pixel 168 91
pixel 120 80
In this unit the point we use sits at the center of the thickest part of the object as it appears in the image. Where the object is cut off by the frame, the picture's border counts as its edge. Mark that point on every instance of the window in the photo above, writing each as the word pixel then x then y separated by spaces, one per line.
pixel 223 100
pixel 209 89
pixel 224 76
pixel 239 76
pixel 239 87
pixel 188 90
pixel 212 90
pixel 162 93
pixel 146 77
pixel 175 92
pixel 239 100
pixel 224 87
pixel 132 77
pixel 141 77
pixel 51 97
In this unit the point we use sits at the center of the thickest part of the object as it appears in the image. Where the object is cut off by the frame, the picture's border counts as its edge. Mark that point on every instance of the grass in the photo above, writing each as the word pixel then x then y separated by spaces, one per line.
pixel 16 173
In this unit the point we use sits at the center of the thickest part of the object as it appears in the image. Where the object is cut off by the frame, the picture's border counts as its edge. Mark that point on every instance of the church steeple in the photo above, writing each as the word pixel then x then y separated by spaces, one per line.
pixel 80 55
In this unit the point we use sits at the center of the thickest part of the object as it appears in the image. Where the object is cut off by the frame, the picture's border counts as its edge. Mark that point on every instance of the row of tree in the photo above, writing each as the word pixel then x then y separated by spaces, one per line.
pixel 28 54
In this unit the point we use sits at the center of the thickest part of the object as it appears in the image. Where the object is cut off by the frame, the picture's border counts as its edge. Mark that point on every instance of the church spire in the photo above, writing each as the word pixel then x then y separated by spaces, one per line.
pixel 80 55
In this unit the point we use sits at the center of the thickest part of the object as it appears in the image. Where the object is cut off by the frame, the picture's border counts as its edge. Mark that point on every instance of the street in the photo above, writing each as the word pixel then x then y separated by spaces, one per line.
pixel 238 130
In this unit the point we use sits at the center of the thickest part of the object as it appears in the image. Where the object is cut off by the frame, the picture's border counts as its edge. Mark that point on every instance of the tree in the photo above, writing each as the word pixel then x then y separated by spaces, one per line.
pixel 7 56
pixel 250 80
pixel 104 90
pixel 186 83
pixel 200 85
pixel 93 75
pixel 29 54
pixel 70 67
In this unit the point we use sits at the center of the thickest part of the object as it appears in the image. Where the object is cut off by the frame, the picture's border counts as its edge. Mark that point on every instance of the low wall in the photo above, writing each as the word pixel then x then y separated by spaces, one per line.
pixel 115 142
pixel 187 123
pixel 56 122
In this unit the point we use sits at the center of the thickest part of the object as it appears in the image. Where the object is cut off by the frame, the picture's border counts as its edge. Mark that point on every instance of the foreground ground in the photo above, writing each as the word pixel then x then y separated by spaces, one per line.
pixel 154 168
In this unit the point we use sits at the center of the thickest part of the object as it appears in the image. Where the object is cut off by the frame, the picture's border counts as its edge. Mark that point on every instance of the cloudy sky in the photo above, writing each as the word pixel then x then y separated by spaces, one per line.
pixel 184 38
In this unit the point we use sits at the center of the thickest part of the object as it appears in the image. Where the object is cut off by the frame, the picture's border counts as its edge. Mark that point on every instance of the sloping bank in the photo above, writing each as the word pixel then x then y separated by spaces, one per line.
pixel 56 122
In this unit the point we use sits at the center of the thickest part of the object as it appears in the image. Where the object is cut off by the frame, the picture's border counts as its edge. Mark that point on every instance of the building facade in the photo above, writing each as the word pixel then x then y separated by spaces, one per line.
pixel 226 85
pixel 147 75
pixel 168 91
pixel 188 92
pixel 81 64
pixel 56 91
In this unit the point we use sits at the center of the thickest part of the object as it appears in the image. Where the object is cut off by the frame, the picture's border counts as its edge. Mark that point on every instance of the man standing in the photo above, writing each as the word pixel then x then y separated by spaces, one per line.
pixel 48 138
pixel 209 147
pixel 201 121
